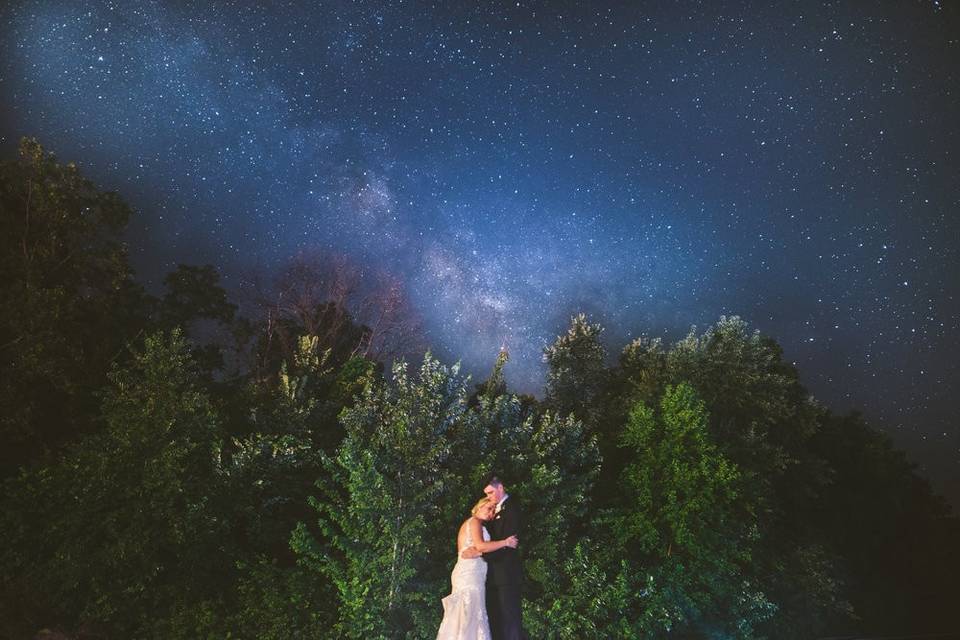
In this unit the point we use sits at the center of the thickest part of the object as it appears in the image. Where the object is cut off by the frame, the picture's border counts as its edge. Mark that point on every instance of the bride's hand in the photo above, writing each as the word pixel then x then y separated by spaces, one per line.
pixel 511 542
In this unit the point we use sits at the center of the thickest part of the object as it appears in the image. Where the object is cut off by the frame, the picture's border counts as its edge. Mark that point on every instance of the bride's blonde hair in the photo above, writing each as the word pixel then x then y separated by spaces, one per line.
pixel 480 503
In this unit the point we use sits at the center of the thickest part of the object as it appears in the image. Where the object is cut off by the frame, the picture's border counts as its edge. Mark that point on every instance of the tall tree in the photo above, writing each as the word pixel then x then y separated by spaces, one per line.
pixel 194 293
pixel 68 302
pixel 759 410
pixel 550 464
pixel 383 494
pixel 195 302
pixel 643 369
pixel 576 373
pixel 269 474
pixel 120 535
pixel 763 419
pixel 683 523
pixel 896 540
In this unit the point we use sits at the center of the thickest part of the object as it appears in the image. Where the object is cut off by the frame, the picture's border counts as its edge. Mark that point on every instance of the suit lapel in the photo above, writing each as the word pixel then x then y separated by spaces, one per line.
pixel 498 520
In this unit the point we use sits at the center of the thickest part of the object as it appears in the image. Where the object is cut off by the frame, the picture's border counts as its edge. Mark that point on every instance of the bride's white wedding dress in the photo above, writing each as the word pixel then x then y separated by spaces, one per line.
pixel 465 609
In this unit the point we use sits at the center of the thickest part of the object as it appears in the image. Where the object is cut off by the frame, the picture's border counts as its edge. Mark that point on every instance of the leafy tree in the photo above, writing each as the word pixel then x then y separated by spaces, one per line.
pixel 193 293
pixel 576 372
pixel 68 302
pixel 275 602
pixel 643 368
pixel 496 384
pixel 758 407
pixel 121 533
pixel 895 539
pixel 598 595
pixel 383 490
pixel 681 525
pixel 269 471
pixel 552 465
pixel 195 302
pixel 273 466
pixel 762 419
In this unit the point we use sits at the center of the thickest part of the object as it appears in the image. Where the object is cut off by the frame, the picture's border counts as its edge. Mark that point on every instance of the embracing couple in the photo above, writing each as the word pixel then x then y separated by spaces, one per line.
pixel 484 603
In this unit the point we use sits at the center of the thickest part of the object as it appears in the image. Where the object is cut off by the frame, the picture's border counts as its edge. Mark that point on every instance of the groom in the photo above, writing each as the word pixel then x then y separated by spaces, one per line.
pixel 504 572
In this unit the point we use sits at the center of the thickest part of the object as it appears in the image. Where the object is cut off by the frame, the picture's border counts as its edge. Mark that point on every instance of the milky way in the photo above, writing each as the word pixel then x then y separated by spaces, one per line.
pixel 789 162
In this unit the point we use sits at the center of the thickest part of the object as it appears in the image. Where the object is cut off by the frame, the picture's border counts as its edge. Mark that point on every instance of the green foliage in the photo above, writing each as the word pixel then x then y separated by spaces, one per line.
pixel 682 521
pixel 303 372
pixel 643 366
pixel 550 464
pixel 409 467
pixel 277 337
pixel 759 409
pixel 67 303
pixel 280 603
pixel 122 528
pixel 683 486
pixel 762 420
pixel 693 490
pixel 576 372
pixel 391 473
pixel 272 466
pixel 595 602
pixel 496 384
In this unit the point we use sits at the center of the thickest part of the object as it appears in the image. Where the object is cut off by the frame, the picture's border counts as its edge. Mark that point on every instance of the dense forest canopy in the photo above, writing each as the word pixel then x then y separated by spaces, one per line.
pixel 172 468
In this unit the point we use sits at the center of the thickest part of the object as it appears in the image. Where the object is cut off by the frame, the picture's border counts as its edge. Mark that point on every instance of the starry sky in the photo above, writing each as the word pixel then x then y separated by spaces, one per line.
pixel 655 165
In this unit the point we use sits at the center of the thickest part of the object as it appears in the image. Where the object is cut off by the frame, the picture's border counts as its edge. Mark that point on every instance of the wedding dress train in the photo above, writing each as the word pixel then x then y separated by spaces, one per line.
pixel 465 609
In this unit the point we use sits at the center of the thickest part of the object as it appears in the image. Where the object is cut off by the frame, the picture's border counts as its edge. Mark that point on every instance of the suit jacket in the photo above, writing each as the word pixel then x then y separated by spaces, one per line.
pixel 503 565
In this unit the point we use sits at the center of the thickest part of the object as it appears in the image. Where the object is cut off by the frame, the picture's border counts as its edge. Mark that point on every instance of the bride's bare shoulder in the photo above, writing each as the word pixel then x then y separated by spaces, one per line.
pixel 466 524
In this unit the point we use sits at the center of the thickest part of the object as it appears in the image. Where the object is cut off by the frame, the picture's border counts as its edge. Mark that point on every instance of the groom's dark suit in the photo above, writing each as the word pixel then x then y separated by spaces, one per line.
pixel 504 575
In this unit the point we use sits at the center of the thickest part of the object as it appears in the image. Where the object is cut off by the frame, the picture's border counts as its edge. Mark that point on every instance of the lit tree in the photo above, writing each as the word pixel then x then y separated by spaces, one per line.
pixel 550 463
pixel 576 373
pixel 763 420
pixel 382 497
pixel 683 526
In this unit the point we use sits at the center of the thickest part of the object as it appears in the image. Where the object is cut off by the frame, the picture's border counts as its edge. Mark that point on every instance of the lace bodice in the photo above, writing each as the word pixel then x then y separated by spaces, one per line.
pixel 468 541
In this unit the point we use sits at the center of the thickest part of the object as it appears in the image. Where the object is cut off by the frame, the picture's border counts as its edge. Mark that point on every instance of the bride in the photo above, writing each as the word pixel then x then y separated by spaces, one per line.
pixel 465 609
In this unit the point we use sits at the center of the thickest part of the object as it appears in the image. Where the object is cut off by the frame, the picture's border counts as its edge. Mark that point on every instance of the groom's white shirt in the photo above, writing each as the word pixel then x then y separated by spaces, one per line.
pixel 500 504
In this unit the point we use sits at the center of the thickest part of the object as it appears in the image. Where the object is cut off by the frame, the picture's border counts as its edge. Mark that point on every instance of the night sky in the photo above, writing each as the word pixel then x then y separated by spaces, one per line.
pixel 789 162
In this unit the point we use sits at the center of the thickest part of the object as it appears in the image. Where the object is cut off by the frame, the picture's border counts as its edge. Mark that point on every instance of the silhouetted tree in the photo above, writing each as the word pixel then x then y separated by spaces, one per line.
pixel 121 534
pixel 68 302
pixel 330 298
pixel 896 541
